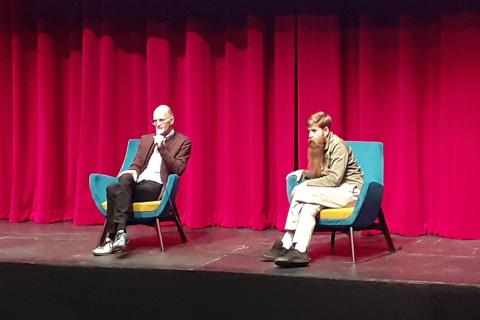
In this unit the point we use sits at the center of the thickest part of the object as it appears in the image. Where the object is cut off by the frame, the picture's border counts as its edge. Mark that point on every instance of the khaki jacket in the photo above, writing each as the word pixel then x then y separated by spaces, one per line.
pixel 340 165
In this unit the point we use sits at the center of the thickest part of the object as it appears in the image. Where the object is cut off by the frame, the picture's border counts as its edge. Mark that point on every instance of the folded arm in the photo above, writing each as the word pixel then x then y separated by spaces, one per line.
pixel 176 163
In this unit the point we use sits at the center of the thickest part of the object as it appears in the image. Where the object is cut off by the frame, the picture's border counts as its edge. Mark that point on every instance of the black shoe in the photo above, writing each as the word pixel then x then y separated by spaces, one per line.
pixel 293 259
pixel 276 251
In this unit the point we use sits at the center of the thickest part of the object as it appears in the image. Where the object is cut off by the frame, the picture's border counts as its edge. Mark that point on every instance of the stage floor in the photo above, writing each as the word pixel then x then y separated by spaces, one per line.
pixel 426 259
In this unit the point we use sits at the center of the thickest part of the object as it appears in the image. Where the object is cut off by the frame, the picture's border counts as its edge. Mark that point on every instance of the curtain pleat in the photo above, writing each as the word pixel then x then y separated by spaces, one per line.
pixel 80 78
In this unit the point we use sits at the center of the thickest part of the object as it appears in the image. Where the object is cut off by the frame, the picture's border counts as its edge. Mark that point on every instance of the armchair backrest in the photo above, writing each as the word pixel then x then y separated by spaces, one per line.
pixel 370 158
pixel 170 193
pixel 130 154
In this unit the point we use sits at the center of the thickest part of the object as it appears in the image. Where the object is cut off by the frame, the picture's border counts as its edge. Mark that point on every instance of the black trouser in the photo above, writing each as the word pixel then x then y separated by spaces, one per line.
pixel 120 196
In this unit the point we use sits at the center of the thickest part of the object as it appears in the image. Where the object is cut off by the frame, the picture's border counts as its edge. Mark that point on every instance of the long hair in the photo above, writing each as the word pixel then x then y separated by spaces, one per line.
pixel 316 155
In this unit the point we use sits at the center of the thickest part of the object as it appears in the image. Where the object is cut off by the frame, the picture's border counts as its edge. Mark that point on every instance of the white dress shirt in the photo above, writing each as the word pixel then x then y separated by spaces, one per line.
pixel 152 171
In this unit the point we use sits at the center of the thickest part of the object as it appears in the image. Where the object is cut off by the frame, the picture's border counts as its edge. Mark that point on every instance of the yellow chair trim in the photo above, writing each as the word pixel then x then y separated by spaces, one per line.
pixel 140 206
pixel 340 213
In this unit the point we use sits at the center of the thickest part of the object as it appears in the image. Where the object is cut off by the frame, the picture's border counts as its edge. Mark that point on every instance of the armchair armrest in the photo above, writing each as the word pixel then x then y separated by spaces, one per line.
pixel 98 185
pixel 292 183
pixel 368 203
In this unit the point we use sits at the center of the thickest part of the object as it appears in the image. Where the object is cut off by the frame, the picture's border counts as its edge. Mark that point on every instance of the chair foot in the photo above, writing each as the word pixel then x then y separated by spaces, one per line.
pixel 352 244
pixel 332 240
pixel 386 232
pixel 176 218
pixel 103 234
pixel 159 233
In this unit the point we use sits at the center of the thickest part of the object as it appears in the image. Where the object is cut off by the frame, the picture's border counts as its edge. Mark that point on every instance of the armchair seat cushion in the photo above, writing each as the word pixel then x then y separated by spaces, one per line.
pixel 336 214
pixel 145 206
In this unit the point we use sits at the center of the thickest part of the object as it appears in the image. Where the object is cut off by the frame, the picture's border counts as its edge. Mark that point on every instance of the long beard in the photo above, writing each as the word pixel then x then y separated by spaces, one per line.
pixel 316 156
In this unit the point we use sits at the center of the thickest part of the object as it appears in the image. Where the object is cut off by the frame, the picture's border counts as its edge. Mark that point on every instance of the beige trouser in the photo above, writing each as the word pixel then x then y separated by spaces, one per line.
pixel 307 201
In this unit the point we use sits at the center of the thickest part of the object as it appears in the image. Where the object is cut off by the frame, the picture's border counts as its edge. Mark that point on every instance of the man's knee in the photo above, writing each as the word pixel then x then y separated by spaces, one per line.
pixel 300 189
pixel 126 179
pixel 311 210
pixel 114 188
pixel 123 181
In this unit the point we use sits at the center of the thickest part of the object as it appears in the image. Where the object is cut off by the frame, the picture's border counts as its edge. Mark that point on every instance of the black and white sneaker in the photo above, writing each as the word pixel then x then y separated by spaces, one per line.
pixel 121 240
pixel 104 249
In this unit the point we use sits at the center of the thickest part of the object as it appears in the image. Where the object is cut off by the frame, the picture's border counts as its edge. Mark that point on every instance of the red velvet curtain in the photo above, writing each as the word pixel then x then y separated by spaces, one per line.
pixel 79 78
pixel 407 76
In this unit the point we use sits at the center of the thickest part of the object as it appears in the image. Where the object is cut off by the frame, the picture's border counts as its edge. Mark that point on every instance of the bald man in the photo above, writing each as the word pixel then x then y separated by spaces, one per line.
pixel 158 155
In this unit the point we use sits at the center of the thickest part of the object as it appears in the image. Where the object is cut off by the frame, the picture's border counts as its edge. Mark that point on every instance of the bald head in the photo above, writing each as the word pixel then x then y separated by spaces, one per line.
pixel 163 109
pixel 163 119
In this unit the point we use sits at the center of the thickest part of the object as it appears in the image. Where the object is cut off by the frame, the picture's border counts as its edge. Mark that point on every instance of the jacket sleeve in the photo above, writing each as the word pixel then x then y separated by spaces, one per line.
pixel 176 163
pixel 139 159
pixel 308 174
pixel 333 176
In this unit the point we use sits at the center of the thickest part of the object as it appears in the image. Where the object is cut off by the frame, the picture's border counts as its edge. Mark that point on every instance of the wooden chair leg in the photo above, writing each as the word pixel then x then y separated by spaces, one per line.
pixel 178 222
pixel 103 234
pixel 352 244
pixel 159 233
pixel 386 232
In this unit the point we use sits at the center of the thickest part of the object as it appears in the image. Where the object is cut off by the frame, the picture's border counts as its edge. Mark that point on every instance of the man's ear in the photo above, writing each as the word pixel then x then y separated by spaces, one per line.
pixel 172 121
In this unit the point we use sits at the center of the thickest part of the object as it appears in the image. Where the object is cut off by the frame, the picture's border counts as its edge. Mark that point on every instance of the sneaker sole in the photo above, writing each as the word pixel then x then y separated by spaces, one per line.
pixel 291 264
pixel 119 248
pixel 102 254
pixel 267 258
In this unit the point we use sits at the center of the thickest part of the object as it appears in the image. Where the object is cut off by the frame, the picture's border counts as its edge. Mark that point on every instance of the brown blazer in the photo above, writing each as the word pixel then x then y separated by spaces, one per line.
pixel 175 153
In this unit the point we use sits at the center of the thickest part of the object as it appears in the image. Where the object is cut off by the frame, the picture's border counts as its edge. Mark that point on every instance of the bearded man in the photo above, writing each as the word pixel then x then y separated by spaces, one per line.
pixel 333 180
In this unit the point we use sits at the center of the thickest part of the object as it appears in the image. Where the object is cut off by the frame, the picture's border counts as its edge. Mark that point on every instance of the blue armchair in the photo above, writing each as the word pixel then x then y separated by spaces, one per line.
pixel 367 213
pixel 149 213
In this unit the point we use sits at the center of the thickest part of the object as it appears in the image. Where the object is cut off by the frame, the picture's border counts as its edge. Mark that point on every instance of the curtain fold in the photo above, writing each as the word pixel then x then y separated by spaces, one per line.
pixel 408 79
pixel 80 78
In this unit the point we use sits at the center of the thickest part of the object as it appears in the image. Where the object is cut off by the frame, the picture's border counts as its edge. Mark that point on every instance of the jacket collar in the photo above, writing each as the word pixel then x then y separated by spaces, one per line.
pixel 329 140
